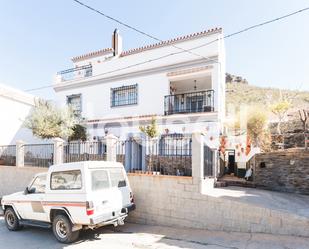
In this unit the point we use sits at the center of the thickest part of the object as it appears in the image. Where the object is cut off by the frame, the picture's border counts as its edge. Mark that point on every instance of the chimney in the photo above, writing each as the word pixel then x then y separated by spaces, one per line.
pixel 116 43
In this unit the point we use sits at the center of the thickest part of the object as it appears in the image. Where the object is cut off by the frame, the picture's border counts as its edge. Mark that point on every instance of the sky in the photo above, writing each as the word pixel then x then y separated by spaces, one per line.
pixel 38 38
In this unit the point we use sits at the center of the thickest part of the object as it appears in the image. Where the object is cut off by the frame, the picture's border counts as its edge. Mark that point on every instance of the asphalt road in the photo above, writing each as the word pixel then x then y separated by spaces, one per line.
pixel 148 237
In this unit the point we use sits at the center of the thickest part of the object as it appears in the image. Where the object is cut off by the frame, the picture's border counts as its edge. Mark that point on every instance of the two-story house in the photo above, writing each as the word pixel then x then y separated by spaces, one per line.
pixel 180 82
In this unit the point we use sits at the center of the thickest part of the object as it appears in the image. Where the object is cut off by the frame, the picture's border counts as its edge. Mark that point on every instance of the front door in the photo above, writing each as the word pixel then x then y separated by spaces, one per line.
pixel 231 162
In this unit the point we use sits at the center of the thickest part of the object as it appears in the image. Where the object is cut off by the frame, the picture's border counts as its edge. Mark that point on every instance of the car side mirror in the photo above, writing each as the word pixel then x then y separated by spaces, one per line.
pixel 29 191
pixel 26 191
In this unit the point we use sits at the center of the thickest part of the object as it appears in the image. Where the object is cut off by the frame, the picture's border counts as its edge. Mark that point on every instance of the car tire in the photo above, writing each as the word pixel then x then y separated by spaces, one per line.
pixel 11 219
pixel 62 229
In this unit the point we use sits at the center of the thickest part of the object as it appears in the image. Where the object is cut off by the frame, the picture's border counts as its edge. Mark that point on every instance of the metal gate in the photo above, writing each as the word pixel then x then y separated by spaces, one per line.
pixel 208 161
pixel 129 153
pixel 84 151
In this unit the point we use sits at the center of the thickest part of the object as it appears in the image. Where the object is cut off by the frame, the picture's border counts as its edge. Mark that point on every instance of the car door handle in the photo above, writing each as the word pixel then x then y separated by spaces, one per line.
pixel 104 202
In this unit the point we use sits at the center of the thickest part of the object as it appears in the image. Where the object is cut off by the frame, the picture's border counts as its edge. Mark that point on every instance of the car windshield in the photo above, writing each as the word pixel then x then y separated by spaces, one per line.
pixel 39 184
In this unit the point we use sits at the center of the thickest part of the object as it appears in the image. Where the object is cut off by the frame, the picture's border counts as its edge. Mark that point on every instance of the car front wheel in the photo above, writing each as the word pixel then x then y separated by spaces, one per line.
pixel 62 228
pixel 11 219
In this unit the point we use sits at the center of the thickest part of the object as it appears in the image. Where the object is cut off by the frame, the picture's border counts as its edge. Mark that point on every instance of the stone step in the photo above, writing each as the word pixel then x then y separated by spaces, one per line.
pixel 220 184
pixel 226 183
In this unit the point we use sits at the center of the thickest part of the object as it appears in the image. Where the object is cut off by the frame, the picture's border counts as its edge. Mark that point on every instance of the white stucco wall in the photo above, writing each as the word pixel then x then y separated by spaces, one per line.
pixel 96 99
pixel 14 108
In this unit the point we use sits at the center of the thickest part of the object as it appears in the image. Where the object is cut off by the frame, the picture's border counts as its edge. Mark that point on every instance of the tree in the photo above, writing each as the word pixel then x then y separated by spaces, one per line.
pixel 79 133
pixel 47 121
pixel 152 132
pixel 257 129
pixel 280 109
pixel 304 117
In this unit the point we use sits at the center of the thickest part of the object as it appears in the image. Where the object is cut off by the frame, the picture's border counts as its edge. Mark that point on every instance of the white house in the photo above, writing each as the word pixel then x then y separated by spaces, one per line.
pixel 180 82
pixel 15 105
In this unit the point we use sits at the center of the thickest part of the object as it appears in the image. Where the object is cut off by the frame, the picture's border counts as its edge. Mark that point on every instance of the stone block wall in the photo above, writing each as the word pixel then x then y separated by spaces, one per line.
pixel 289 140
pixel 177 201
pixel 168 165
pixel 286 171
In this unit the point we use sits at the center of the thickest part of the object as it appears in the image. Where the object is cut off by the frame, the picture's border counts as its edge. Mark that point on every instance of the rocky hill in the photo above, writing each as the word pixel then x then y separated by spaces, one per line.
pixel 231 78
pixel 239 93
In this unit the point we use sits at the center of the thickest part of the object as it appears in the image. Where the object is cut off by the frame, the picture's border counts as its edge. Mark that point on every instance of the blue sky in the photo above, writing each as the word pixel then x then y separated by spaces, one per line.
pixel 38 38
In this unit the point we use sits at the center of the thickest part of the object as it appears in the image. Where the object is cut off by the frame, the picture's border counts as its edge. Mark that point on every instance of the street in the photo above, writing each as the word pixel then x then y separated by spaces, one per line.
pixel 145 236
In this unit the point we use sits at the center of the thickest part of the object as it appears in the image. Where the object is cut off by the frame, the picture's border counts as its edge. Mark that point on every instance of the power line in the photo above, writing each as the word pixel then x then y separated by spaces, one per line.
pixel 256 26
pixel 171 54
pixel 136 30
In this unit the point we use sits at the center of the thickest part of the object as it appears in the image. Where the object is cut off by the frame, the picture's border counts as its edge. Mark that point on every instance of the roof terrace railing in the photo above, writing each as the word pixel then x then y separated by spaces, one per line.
pixel 75 73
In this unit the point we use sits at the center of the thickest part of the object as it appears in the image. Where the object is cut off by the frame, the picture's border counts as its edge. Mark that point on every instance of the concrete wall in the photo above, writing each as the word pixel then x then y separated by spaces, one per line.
pixel 177 201
pixel 286 171
pixel 14 179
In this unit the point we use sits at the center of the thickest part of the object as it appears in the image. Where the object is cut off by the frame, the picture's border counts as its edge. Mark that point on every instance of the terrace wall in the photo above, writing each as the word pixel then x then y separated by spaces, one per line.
pixel 286 171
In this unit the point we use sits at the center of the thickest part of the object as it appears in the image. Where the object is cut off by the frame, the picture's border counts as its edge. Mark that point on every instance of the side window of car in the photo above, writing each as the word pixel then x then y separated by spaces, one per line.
pixel 99 180
pixel 117 178
pixel 67 180
pixel 39 184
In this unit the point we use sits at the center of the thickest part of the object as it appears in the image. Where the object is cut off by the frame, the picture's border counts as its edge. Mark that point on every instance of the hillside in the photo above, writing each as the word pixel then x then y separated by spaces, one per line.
pixel 239 94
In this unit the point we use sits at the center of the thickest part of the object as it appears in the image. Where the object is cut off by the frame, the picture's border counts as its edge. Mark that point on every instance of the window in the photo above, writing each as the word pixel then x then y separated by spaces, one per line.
pixel 75 102
pixel 66 180
pixel 99 180
pixel 125 95
pixel 117 178
pixel 39 184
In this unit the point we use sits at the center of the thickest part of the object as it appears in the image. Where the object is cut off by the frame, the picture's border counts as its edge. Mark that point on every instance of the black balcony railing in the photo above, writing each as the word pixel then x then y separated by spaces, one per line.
pixel 202 101
pixel 76 73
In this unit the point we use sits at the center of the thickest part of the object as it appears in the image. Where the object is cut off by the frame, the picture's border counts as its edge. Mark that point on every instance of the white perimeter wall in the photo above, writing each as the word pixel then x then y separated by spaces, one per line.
pixel 13 114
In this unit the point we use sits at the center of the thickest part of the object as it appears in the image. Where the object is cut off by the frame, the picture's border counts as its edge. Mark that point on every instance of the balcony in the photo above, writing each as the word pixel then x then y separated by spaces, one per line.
pixel 192 102
pixel 74 73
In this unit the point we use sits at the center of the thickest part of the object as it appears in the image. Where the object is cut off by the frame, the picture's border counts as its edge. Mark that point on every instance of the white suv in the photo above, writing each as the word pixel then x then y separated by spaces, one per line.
pixel 71 197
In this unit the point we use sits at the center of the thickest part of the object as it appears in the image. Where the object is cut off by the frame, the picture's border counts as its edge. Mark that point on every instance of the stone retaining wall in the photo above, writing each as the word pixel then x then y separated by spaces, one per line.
pixel 286 171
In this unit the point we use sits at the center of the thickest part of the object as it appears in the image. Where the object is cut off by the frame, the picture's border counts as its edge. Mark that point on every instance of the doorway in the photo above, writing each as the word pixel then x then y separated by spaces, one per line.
pixel 231 162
